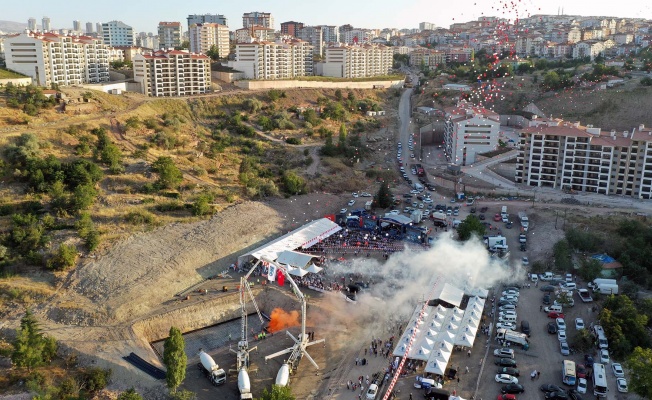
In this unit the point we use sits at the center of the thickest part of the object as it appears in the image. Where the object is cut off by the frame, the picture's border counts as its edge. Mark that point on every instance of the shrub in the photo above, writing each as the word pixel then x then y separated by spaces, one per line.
pixel 140 217
pixel 202 205
pixel 293 140
pixel 63 258
pixel 169 175
pixel 96 379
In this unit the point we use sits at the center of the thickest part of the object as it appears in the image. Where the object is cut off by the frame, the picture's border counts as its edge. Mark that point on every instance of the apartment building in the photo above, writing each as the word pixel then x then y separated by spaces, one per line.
pixel 206 19
pixel 427 26
pixel 117 33
pixel 45 24
pixel 31 24
pixel 315 36
pixel 427 57
pixel 257 18
pixel 330 33
pixel 569 156
pixel 343 61
pixel 291 28
pixel 169 34
pixel 170 73
pixel 204 36
pixel 357 36
pixel 273 60
pixel 50 58
pixel 254 33
pixel 469 131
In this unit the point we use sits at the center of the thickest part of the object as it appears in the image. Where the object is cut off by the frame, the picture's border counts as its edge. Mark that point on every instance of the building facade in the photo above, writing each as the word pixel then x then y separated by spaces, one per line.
pixel 315 36
pixel 330 33
pixel 171 73
pixel 428 58
pixel 117 33
pixel 257 18
pixel 469 131
pixel 45 24
pixel 169 34
pixel 269 60
pixel 291 28
pixel 569 156
pixel 343 61
pixel 205 36
pixel 55 59
pixel 206 19
pixel 31 24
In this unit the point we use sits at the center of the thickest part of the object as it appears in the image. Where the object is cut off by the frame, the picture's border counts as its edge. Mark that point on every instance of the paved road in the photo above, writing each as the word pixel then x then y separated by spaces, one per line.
pixel 405 121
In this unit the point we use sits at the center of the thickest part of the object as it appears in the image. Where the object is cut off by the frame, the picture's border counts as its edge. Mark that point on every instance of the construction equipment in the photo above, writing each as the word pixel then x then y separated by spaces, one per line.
pixel 300 343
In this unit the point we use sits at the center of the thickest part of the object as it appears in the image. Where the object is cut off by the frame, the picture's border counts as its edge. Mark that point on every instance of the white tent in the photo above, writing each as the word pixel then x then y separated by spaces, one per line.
pixel 297 271
pixel 294 258
pixel 314 269
pixel 436 366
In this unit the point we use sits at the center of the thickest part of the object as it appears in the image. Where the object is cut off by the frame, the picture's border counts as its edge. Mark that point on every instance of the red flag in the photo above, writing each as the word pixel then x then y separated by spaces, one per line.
pixel 280 278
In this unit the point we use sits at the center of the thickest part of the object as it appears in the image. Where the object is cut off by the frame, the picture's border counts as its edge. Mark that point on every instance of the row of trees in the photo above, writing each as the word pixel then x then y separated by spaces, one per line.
pixel 28 98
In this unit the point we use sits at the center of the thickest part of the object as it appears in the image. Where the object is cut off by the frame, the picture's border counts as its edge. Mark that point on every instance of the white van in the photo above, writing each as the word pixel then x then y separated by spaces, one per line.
pixel 534 278
pixel 569 285
pixel 555 308
pixel 507 318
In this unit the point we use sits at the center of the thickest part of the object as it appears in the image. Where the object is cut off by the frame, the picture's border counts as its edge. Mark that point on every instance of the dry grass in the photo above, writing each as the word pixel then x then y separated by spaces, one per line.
pixel 6 74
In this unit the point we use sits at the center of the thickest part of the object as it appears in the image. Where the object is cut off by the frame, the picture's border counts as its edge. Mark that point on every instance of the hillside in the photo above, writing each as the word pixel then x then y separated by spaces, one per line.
pixel 13 27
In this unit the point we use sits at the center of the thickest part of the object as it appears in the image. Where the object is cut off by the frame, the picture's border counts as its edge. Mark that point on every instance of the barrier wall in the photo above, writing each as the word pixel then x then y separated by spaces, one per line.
pixel 262 85
pixel 16 81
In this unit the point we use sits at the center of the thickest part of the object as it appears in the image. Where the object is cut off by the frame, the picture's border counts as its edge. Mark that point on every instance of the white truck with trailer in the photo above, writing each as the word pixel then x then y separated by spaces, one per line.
pixel 496 243
pixel 606 288
pixel 525 222
pixel 213 372
pixel 600 281
pixel 511 336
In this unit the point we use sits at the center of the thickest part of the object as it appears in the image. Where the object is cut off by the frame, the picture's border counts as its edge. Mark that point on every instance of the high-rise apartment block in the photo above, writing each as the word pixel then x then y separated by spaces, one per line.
pixel 568 156
pixel 470 131
pixel 56 59
pixel 427 26
pixel 45 24
pixel 169 34
pixel 89 28
pixel 117 33
pixel 269 60
pixel 31 24
pixel 291 28
pixel 330 33
pixel 257 18
pixel 254 33
pixel 205 36
pixel 358 61
pixel 206 19
pixel 315 36
pixel 76 26
pixel 172 73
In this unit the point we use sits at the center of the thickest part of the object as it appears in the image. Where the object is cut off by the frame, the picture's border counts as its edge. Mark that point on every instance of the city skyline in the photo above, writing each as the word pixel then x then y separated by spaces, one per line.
pixel 379 14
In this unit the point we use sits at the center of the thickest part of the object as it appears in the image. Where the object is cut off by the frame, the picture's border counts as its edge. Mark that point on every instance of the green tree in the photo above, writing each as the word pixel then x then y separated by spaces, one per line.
pixel 562 253
pixel 213 53
pixel 582 340
pixel 202 205
pixel 341 141
pixel 169 176
pixel 639 364
pixel 590 268
pixel 132 123
pixel 647 81
pixel 174 358
pixel 564 299
pixel 183 394
pixel 624 325
pixel 130 394
pixel 63 258
pixel 338 95
pixel 83 197
pixel 383 198
pixel 293 184
pixel 471 225
pixel 31 348
pixel 277 393
pixel 96 379
pixel 328 149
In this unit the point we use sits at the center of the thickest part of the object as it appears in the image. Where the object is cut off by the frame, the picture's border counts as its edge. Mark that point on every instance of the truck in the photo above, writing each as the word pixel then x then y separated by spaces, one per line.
pixel 511 336
pixel 420 171
pixel 417 186
pixel 244 385
pixel 599 281
pixel 368 204
pixel 416 216
pixel 606 288
pixel 525 222
pixel 439 218
pixel 585 296
pixel 496 242
pixel 213 372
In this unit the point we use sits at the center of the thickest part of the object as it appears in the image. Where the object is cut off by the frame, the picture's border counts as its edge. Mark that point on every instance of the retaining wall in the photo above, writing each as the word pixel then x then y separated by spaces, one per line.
pixel 262 85
pixel 16 81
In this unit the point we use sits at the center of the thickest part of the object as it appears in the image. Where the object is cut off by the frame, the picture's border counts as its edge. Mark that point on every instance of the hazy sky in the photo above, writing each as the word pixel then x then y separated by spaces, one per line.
pixel 144 15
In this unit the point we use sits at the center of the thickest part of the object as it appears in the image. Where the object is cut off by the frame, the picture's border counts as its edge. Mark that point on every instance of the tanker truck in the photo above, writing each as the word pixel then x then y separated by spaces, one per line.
pixel 213 372
pixel 244 384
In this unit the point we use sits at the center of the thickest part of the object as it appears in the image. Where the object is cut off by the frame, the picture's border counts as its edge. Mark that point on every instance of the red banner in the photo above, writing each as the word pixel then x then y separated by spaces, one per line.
pixel 280 278
pixel 330 216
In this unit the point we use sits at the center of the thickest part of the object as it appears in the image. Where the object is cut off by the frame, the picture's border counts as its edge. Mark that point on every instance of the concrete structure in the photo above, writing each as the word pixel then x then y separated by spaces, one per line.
pixel 257 18
pixel 89 28
pixel 76 26
pixel 290 84
pixel 254 33
pixel 269 60
pixel 45 24
pixel 330 33
pixel 291 28
pixel 16 81
pixel 315 36
pixel 358 61
pixel 469 131
pixel 206 19
pixel 31 24
pixel 56 59
pixel 117 33
pixel 427 26
pixel 172 73
pixel 204 36
pixel 569 156
pixel 169 35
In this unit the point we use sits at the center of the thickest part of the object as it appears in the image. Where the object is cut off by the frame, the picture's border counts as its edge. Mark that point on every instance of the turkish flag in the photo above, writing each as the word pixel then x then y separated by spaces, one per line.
pixel 280 278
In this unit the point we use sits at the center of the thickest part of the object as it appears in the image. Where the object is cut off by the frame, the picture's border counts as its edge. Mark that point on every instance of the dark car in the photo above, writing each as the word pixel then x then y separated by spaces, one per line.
pixel 473 210
pixel 506 362
pixel 515 288
pixel 420 197
pixel 482 217
pixel 505 302
pixel 547 288
pixel 580 370
pixel 557 395
pixel 523 247
pixel 525 327
pixel 550 388
pixel 508 225
pixel 546 299
pixel 589 360
pixel 512 388
pixel 484 209
pixel 574 394
pixel 552 327
pixel 509 371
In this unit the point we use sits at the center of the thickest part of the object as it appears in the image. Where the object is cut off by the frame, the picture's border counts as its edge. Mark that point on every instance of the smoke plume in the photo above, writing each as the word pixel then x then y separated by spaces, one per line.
pixel 281 319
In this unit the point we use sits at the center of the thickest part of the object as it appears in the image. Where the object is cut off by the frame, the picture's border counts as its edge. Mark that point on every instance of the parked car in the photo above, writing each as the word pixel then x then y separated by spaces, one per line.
pixel 561 335
pixel 546 299
pixel 525 261
pixel 504 352
pixel 509 371
pixel 579 323
pixel 580 371
pixel 482 217
pixel 552 328
pixel 503 302
pixel 497 218
pixel 484 209
pixel 504 378
pixel 574 394
pixel 512 388
pixel 506 325
pixel 506 362
pixel 563 348
pixel 509 298
pixel 561 324
pixel 344 211
pixel 547 288
pixel 618 370
pixel 556 314
pixel 556 395
pixel 588 360
pixel 506 396
pixel 581 385
pixel 351 203
pixel 621 383
pixel 604 356
pixel 511 292
pixel 550 388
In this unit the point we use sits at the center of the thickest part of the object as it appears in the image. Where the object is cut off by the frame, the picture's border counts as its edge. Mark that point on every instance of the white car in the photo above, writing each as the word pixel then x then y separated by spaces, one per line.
pixel 504 378
pixel 506 325
pixel 507 307
pixel 579 323
pixel 355 194
pixel 396 212
pixel 618 370
pixel 344 211
pixel 561 324
pixel 604 356
pixel 525 261
pixel 622 385
pixel 507 313
pixel 509 298
pixel 561 335
pixel 351 202
pixel 372 391
pixel 511 293
pixel 427 200
pixel 365 194
pixel 581 385
pixel 414 191
pixel 504 353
